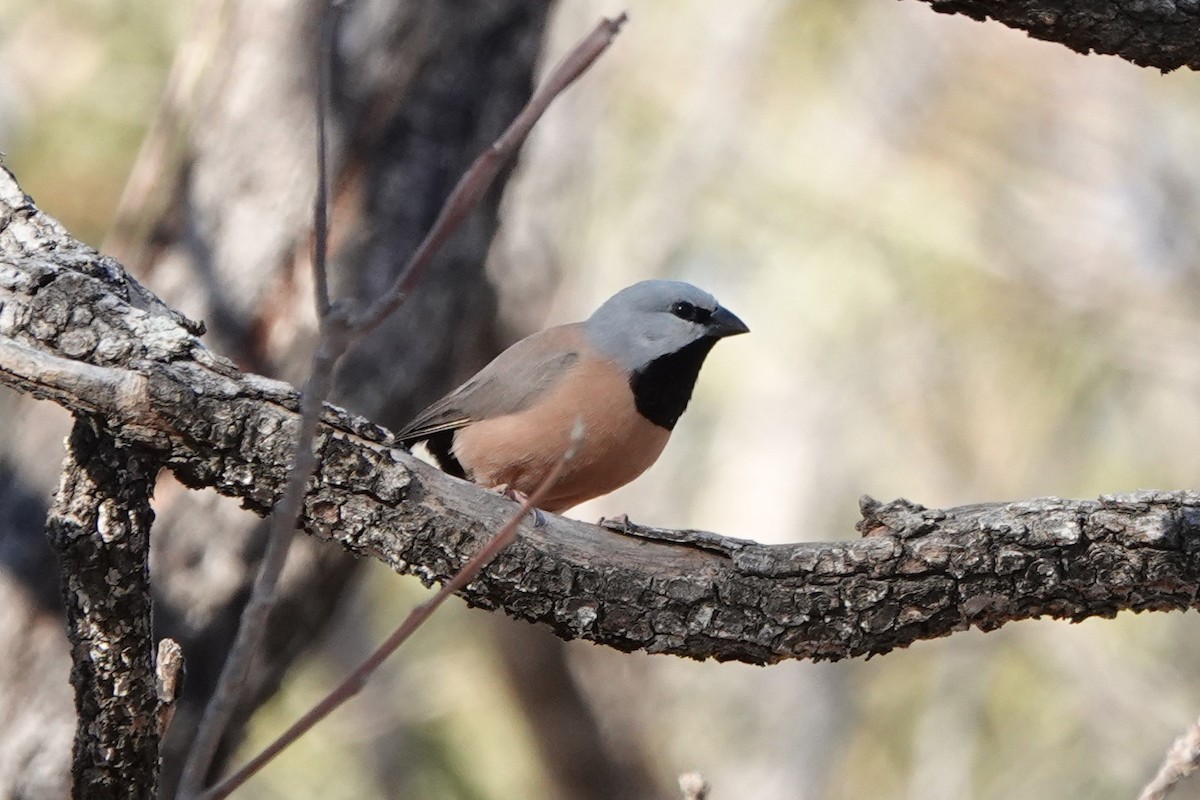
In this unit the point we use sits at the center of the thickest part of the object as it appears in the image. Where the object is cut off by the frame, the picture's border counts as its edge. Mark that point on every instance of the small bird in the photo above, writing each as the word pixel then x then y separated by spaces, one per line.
pixel 626 374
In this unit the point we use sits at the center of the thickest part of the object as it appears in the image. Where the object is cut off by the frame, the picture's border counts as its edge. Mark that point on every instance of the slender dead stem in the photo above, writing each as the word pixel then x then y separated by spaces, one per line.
pixel 282 529
pixel 340 328
pixel 357 679
pixel 331 17
pixel 475 182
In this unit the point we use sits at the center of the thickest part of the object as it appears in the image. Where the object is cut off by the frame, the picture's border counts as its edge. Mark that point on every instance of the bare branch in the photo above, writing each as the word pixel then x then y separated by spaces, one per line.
pixel 331 18
pixel 99 527
pixel 483 171
pixel 1181 761
pixel 1165 36
pixel 915 574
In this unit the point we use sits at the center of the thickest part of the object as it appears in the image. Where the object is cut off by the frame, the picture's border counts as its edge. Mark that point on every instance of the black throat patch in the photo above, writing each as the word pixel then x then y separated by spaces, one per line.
pixel 662 389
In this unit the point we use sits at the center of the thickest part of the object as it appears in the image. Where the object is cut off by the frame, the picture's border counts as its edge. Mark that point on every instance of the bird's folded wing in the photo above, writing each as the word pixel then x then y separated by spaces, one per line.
pixel 512 382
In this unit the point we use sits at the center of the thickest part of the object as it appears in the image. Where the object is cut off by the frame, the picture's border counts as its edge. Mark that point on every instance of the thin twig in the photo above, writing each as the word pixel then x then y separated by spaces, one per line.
pixel 357 679
pixel 252 626
pixel 338 331
pixel 331 18
pixel 475 182
pixel 1181 761
pixel 331 346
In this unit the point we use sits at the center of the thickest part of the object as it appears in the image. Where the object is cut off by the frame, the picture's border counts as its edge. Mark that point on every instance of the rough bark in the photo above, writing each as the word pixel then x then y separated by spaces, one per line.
pixel 99 526
pixel 915 574
pixel 1164 35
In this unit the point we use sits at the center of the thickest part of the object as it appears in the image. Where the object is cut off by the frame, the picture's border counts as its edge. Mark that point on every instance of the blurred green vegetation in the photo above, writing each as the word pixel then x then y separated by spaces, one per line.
pixel 79 88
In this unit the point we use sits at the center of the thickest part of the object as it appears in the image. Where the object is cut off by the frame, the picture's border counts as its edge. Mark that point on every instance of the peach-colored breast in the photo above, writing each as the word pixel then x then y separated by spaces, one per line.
pixel 520 449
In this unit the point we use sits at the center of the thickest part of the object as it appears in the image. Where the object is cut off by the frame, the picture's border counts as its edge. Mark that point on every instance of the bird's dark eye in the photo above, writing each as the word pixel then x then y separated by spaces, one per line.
pixel 691 313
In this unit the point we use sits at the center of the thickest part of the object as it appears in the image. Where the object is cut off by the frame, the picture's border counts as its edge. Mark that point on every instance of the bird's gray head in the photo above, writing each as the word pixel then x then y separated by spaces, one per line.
pixel 653 319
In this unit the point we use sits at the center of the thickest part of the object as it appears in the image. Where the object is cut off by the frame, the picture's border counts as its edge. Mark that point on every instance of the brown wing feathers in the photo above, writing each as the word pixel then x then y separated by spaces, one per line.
pixel 512 382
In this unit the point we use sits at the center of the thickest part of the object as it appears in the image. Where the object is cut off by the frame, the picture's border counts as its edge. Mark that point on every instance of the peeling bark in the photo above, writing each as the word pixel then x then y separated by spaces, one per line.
pixel 99 526
pixel 915 574
pixel 1164 34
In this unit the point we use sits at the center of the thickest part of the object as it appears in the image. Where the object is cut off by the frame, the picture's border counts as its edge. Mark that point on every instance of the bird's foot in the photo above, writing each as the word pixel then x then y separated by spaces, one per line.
pixel 504 490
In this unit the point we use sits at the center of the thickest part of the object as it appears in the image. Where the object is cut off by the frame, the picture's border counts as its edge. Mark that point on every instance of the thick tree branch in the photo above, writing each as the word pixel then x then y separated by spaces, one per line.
pixel 99 526
pixel 915 574
pixel 1165 35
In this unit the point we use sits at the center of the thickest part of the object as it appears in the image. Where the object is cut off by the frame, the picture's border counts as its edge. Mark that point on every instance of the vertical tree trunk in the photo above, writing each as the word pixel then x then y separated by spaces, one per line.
pixel 99 527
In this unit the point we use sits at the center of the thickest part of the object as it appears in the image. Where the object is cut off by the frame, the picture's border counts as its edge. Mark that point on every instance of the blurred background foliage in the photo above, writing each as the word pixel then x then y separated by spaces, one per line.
pixel 971 263
pixel 79 87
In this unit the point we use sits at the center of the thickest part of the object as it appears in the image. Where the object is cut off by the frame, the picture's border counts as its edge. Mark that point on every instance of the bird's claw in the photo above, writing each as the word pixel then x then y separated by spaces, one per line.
pixel 504 490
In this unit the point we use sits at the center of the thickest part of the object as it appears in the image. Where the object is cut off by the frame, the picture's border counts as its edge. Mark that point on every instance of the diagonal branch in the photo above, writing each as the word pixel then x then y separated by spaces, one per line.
pixel 915 574
pixel 475 182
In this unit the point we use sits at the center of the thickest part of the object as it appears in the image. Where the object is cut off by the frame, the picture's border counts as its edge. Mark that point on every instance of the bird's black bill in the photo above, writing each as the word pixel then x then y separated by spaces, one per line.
pixel 724 322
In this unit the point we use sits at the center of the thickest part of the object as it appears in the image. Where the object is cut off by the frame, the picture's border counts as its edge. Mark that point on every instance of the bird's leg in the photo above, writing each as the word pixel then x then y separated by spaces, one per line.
pixel 504 490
